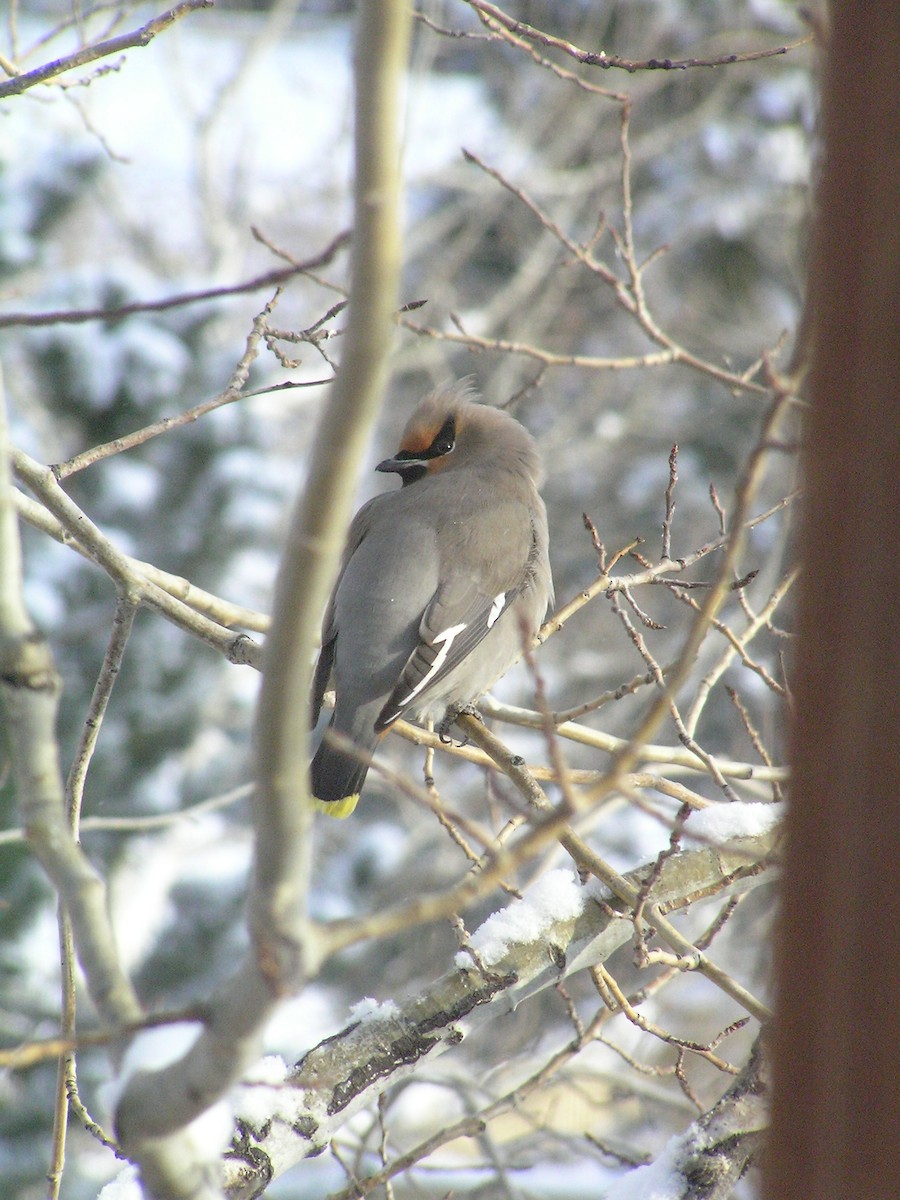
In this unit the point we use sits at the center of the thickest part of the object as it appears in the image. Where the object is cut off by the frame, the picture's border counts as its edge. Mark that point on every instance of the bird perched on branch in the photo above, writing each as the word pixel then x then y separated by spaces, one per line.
pixel 440 586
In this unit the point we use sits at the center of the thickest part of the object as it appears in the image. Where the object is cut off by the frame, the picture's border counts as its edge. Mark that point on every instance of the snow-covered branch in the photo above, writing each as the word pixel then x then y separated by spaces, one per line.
pixel 706 1161
pixel 556 930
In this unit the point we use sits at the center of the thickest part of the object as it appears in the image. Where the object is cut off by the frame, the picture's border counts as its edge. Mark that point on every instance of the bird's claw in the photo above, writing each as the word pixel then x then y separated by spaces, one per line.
pixel 450 717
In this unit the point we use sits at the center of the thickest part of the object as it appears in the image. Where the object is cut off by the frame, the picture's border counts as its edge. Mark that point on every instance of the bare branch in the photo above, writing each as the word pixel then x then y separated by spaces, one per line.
pixel 670 504
pixel 237 648
pixel 498 32
pixel 234 391
pixel 223 612
pixel 125 41
pixel 30 688
pixel 673 757
pixel 490 13
pixel 629 362
pixel 144 824
pixel 268 280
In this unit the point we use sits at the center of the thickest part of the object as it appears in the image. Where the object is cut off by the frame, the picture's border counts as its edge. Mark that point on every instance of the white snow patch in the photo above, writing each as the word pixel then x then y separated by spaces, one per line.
pixel 659 1180
pixel 368 1009
pixel 722 823
pixel 271 1104
pixel 557 896
pixel 211 1132
pixel 262 1095
pixel 599 891
pixel 125 1186
pixel 272 1070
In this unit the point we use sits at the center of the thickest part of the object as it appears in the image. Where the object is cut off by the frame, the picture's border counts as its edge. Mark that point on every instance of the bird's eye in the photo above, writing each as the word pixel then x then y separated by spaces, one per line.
pixel 445 440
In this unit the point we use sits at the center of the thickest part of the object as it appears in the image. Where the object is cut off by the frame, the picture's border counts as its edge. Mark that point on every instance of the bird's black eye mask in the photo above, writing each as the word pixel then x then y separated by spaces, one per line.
pixel 411 465
pixel 445 440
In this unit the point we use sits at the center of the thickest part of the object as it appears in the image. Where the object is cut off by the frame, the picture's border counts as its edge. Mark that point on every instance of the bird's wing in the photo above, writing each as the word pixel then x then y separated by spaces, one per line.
pixel 324 663
pixel 461 613
pixel 359 527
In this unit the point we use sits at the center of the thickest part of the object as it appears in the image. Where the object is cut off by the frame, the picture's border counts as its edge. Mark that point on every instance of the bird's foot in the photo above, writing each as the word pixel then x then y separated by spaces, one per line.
pixel 450 716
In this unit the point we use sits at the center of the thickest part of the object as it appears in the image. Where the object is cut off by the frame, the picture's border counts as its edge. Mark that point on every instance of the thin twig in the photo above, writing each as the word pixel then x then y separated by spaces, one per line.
pixel 145 824
pixel 548 357
pixel 670 503
pixel 737 646
pixel 237 648
pixel 268 280
pixel 498 32
pixel 233 392
pixel 223 612
pixel 20 1058
pixel 674 758
pixel 753 734
pixel 597 58
pixel 606 984
pixel 125 41
pixel 123 620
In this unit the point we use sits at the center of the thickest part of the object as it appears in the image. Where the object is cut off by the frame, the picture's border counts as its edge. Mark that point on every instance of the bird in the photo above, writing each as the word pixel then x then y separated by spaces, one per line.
pixel 440 585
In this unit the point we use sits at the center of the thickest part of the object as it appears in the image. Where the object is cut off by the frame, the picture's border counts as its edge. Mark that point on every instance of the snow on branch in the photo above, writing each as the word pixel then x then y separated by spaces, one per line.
pixel 709 1157
pixel 557 929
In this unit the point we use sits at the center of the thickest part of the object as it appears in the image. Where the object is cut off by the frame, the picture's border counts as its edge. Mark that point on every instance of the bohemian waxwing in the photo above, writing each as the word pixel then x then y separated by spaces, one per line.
pixel 439 584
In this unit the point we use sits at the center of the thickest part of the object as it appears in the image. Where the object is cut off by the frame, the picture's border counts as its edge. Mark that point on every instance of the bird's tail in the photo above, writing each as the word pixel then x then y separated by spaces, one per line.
pixel 337 775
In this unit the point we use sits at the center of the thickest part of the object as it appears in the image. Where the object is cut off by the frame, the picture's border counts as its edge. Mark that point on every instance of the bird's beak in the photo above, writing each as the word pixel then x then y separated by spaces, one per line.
pixel 398 465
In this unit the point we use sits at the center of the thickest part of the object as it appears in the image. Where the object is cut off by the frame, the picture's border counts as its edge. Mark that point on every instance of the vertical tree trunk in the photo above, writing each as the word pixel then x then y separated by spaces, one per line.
pixel 836 1039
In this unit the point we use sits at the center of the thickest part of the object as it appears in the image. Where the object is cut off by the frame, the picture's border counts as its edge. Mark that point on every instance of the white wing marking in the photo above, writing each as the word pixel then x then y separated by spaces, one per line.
pixel 445 637
pixel 496 608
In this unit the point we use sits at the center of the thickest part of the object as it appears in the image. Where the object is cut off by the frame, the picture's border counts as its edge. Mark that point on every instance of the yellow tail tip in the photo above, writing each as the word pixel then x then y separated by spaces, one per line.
pixel 336 808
